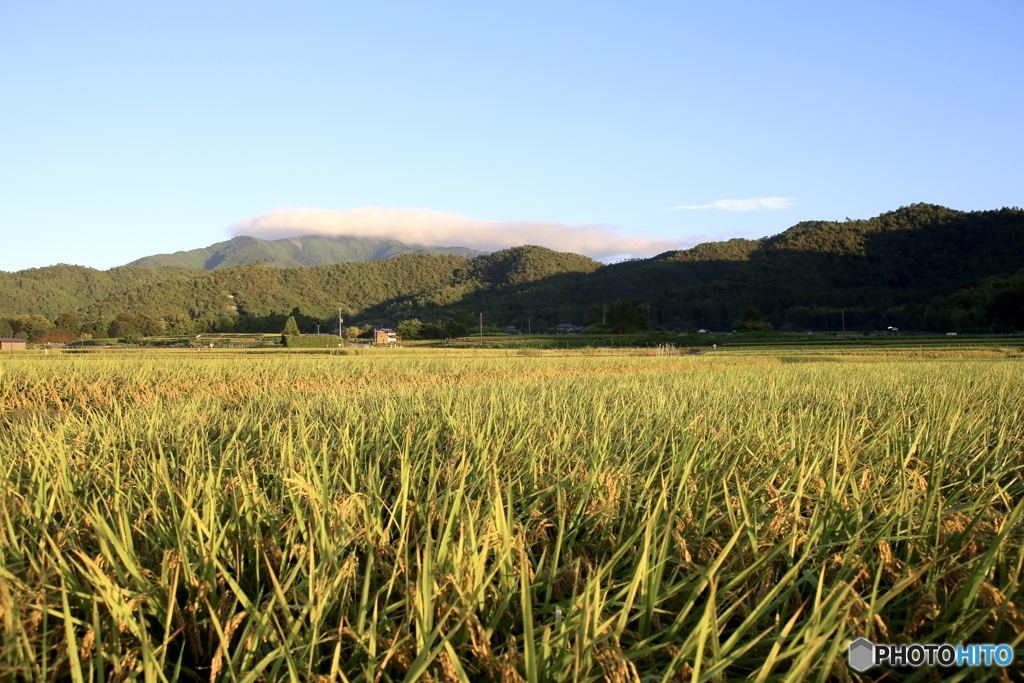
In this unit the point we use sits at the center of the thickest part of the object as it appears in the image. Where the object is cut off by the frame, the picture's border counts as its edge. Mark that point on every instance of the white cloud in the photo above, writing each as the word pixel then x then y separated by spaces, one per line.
pixel 759 204
pixel 436 228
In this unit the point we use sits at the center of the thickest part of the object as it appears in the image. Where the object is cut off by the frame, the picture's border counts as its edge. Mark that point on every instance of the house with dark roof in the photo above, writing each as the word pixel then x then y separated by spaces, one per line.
pixel 386 335
pixel 12 344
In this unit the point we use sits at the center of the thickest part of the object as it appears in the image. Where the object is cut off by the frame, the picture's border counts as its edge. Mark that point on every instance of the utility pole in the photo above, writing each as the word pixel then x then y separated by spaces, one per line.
pixel 481 327
pixel 528 328
pixel 341 321
pixel 842 312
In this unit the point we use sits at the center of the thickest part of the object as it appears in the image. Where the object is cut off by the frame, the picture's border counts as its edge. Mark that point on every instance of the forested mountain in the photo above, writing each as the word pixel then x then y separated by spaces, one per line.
pixel 297 252
pixel 921 267
pixel 259 297
pixel 58 289
pixel 888 270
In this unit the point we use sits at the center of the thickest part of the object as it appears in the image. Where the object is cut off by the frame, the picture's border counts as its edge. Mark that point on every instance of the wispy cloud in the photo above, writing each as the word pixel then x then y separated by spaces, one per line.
pixel 436 228
pixel 758 204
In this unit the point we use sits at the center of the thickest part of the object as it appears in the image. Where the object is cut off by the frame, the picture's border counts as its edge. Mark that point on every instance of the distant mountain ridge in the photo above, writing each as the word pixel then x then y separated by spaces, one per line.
pixel 292 252
pixel 922 267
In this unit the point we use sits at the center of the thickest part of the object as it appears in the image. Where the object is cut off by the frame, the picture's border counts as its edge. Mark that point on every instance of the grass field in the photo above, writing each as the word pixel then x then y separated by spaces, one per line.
pixel 464 516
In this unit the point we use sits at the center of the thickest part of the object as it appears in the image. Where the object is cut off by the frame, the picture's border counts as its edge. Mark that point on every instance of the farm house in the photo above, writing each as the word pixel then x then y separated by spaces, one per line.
pixel 12 344
pixel 386 335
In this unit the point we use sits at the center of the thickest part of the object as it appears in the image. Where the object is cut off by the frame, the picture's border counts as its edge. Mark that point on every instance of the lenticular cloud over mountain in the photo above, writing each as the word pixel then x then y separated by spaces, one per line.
pixel 436 228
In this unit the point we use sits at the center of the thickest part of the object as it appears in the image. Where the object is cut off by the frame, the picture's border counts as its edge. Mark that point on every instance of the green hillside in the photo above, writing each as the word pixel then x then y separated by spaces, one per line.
pixel 298 252
pixel 58 289
pixel 901 268
pixel 922 267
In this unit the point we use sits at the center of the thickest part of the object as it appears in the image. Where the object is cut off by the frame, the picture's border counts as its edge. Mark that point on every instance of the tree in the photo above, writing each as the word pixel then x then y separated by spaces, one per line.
pixel 226 322
pixel 409 329
pixel 150 325
pixel 179 324
pixel 124 325
pixel 291 329
pixel 459 323
pixel 625 317
pixel 36 327
pixel 753 321
pixel 68 322
pixel 302 321
pixel 5 329
pixel 58 336
pixel 96 329
pixel 432 331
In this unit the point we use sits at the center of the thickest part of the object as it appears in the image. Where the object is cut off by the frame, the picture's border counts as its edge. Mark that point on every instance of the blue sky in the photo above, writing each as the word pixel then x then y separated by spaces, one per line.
pixel 136 128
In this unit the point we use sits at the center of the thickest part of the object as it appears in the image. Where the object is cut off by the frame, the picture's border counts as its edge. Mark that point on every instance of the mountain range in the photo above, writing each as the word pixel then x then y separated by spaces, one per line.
pixel 922 267
pixel 292 252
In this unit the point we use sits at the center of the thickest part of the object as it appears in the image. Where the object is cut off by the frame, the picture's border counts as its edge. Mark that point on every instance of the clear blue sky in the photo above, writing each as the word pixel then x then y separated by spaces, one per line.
pixel 131 128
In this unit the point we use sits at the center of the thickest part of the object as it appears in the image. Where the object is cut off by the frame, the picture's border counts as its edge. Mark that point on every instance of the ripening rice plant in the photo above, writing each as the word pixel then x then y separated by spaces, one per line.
pixel 508 518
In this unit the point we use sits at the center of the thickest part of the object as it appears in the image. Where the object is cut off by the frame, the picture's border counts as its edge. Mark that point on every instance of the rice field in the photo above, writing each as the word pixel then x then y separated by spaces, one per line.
pixel 461 517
